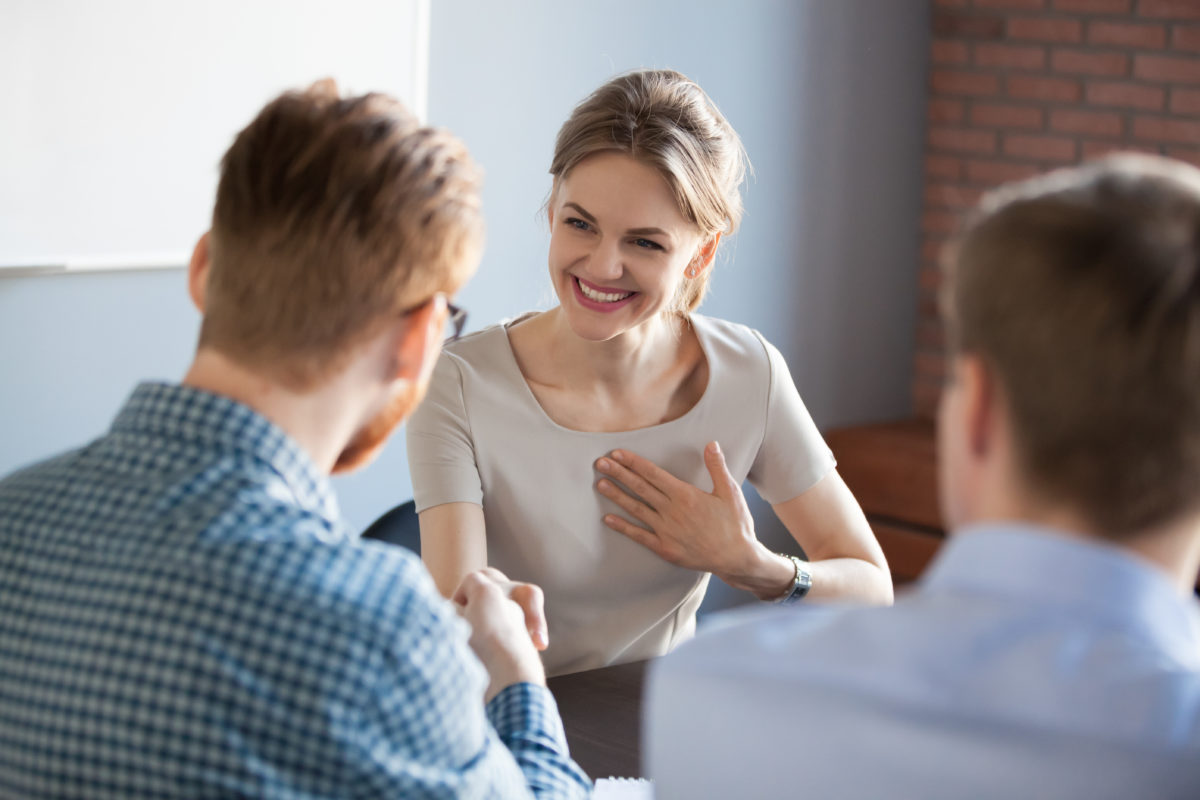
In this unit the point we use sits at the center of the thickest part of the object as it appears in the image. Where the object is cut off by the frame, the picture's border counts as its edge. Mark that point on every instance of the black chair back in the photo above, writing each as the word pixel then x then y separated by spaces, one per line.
pixel 398 526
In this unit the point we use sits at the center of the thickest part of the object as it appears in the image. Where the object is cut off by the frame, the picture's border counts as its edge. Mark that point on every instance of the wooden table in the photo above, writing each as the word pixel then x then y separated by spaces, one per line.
pixel 601 712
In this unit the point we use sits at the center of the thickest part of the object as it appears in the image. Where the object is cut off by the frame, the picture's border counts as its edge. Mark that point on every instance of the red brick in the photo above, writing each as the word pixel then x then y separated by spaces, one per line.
pixel 1069 31
pixel 1095 149
pixel 1172 69
pixel 1090 123
pixel 1125 95
pixel 1041 148
pixel 1190 155
pixel 940 221
pixel 1031 87
pixel 927 304
pixel 1023 5
pixel 930 335
pixel 1185 101
pixel 1081 62
pixel 1124 34
pixel 946 81
pixel 991 173
pixel 1170 9
pixel 929 278
pixel 943 110
pixel 949 195
pixel 1186 37
pixel 931 365
pixel 925 399
pixel 939 166
pixel 948 52
pixel 1094 6
pixel 967 26
pixel 931 249
pixel 1009 56
pixel 1167 129
pixel 1006 116
pixel 962 140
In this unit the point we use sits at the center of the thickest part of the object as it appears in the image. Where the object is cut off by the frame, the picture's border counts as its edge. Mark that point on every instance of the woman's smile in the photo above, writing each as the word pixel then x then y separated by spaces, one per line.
pixel 598 298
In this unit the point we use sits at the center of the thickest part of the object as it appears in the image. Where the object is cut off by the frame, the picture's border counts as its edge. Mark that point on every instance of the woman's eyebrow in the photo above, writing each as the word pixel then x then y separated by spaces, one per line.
pixel 647 232
pixel 582 211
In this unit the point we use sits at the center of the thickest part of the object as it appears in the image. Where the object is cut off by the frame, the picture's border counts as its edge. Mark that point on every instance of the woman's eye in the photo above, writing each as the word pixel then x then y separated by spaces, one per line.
pixel 578 224
pixel 647 244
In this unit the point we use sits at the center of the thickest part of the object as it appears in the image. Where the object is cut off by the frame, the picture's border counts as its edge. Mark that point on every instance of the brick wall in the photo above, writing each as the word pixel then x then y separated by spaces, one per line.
pixel 1020 86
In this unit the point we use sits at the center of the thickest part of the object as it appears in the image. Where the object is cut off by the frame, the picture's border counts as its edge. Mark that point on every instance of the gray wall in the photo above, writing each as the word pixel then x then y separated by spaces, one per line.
pixel 828 96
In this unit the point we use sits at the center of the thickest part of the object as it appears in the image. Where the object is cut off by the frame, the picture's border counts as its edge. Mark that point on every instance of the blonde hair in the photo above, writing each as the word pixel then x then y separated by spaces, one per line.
pixel 333 216
pixel 663 119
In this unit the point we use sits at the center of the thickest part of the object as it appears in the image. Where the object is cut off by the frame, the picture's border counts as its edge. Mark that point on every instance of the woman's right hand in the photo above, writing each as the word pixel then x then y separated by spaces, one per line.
pixel 508 627
pixel 689 527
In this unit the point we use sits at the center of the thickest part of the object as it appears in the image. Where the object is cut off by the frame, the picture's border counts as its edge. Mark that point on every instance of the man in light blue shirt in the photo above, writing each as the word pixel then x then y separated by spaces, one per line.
pixel 1053 648
pixel 183 612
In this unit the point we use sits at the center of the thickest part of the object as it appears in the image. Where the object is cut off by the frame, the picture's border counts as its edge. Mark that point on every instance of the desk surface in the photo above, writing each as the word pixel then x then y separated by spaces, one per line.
pixel 601 711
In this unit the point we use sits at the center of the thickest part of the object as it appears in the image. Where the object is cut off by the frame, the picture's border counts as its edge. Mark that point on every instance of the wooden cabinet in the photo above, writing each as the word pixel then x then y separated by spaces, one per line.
pixel 891 468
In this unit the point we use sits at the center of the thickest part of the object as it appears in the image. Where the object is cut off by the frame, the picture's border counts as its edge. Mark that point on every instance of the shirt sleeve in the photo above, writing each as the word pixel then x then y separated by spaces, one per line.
pixel 441 449
pixel 422 730
pixel 526 718
pixel 792 457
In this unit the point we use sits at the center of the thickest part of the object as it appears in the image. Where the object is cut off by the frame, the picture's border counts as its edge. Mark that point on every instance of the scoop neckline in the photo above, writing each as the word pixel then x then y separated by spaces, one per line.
pixel 511 364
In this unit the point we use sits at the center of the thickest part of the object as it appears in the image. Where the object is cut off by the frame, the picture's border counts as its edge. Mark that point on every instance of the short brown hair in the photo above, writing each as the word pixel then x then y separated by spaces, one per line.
pixel 665 120
pixel 333 215
pixel 1081 290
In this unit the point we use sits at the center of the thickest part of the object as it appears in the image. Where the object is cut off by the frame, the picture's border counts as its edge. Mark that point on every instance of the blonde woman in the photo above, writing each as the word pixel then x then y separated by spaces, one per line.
pixel 598 449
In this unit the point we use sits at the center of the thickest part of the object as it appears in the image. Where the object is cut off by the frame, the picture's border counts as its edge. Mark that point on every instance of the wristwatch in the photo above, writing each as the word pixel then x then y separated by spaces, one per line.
pixel 801 582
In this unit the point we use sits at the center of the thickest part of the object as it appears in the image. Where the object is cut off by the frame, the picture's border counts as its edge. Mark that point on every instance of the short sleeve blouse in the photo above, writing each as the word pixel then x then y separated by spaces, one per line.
pixel 481 437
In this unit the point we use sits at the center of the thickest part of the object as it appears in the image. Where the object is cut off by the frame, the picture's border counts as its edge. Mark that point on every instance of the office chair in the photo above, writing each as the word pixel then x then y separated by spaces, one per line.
pixel 398 526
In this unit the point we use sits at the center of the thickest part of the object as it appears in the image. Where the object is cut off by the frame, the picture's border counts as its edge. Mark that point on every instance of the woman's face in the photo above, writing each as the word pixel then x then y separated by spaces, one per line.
pixel 619 245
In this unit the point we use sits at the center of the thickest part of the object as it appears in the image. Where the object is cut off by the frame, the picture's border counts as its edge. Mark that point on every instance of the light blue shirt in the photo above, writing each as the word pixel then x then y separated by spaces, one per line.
pixel 183 614
pixel 1026 664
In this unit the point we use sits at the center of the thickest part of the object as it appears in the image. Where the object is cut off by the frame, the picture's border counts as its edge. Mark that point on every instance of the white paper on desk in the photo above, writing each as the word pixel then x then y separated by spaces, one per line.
pixel 624 789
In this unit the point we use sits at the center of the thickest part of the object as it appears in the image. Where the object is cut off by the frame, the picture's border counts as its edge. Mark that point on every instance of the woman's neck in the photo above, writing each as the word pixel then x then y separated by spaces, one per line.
pixel 634 358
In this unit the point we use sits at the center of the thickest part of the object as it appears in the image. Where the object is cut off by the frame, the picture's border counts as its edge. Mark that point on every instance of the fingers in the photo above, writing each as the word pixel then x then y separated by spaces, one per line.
pixel 641 475
pixel 724 486
pixel 527 596
pixel 640 535
pixel 532 602
pixel 636 508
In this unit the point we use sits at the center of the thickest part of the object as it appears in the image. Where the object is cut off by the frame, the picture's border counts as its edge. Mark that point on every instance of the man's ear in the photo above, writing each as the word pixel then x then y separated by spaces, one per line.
pixel 198 272
pixel 420 341
pixel 980 405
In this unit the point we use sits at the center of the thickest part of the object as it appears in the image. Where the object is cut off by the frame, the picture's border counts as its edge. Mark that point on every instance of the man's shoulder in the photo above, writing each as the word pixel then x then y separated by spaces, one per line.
pixel 754 638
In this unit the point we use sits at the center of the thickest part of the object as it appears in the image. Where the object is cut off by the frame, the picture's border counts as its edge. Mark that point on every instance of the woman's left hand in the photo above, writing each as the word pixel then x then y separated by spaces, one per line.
pixel 710 532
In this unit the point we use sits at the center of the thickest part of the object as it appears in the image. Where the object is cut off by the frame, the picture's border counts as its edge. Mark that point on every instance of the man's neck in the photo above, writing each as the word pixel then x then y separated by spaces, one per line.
pixel 321 421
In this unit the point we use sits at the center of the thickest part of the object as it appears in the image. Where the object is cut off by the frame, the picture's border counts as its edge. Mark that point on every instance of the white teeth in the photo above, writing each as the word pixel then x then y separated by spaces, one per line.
pixel 600 297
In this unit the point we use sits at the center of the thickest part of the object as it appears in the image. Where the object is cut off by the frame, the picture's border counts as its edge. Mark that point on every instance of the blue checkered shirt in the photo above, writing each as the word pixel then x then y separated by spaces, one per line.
pixel 182 614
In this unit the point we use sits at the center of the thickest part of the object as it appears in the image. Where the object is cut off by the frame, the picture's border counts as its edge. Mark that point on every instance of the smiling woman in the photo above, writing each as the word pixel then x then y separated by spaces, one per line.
pixel 577 448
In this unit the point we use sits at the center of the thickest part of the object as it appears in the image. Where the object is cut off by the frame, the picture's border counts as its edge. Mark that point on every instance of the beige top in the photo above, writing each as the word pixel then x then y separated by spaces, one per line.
pixel 481 437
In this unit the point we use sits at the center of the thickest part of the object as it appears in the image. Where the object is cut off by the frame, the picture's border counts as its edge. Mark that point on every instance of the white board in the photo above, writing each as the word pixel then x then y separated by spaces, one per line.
pixel 114 114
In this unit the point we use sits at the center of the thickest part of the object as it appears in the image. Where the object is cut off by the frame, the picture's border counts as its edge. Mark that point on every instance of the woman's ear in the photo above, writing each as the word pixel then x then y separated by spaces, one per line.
pixel 704 256
pixel 198 272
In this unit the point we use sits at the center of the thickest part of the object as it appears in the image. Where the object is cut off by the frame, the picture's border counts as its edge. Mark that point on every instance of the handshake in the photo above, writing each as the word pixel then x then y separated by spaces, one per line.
pixel 508 627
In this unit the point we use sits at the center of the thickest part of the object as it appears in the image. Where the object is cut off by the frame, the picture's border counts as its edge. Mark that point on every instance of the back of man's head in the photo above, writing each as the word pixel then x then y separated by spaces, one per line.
pixel 1080 291
pixel 333 217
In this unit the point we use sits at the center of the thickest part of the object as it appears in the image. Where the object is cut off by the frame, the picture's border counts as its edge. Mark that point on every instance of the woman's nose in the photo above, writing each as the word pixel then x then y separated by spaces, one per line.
pixel 605 262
